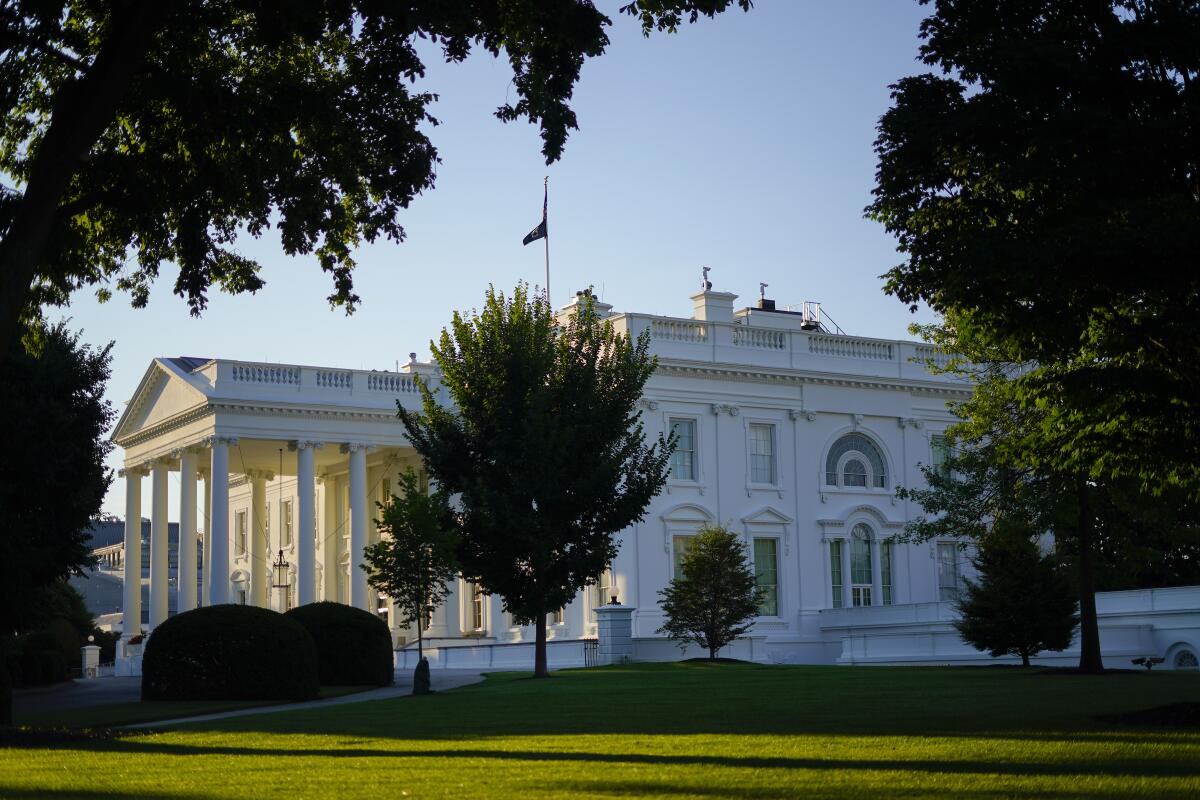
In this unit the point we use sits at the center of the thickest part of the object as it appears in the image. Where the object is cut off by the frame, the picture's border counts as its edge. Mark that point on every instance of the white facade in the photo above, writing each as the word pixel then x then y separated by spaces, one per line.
pixel 793 437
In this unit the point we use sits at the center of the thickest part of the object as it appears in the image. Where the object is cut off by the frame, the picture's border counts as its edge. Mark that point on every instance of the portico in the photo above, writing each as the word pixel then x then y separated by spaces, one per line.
pixel 327 439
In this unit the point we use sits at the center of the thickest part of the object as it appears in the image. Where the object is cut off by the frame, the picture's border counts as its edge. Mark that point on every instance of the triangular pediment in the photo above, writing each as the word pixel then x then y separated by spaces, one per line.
pixel 164 393
pixel 767 516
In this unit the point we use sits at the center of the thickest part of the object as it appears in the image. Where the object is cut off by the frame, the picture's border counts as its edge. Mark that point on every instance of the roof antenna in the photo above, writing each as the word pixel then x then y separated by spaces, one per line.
pixel 705 283
pixel 762 291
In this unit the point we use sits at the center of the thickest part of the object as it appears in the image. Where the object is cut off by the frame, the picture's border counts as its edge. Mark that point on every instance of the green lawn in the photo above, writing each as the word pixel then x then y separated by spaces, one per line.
pixel 677 730
pixel 116 714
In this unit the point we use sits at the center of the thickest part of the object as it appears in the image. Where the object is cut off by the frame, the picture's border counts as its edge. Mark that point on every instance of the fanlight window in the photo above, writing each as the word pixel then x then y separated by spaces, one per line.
pixel 854 460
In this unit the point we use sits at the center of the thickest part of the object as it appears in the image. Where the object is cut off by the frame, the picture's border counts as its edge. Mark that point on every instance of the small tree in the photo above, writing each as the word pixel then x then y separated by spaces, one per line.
pixel 716 597
pixel 1022 604
pixel 415 560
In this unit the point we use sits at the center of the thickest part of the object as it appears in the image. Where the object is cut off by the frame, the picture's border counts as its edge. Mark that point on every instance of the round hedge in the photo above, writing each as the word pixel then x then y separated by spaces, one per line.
pixel 354 647
pixel 229 652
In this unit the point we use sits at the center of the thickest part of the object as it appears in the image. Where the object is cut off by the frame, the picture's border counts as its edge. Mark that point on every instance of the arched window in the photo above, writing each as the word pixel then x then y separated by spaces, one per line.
pixel 1186 660
pixel 855 460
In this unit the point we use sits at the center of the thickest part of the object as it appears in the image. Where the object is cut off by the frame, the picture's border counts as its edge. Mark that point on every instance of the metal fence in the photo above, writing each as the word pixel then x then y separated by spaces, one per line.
pixel 591 652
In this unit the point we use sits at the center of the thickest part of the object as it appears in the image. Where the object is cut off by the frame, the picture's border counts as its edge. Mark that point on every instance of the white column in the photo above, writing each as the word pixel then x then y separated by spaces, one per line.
pixel 131 607
pixel 258 549
pixel 206 567
pixel 186 580
pixel 497 627
pixel 306 530
pixel 158 544
pixel 218 522
pixel 847 581
pixel 330 535
pixel 358 524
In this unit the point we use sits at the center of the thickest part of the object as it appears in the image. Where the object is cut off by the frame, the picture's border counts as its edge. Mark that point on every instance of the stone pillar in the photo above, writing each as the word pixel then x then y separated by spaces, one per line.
pixel 575 614
pixel 330 534
pixel 159 569
pixel 258 547
pixel 445 620
pixel 359 513
pixel 186 581
pixel 614 624
pixel 306 529
pixel 90 661
pixel 847 581
pixel 131 607
pixel 206 565
pixel 876 572
pixel 497 626
pixel 218 522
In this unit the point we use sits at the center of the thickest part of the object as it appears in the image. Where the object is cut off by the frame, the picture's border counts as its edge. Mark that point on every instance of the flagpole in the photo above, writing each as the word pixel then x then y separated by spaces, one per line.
pixel 546 222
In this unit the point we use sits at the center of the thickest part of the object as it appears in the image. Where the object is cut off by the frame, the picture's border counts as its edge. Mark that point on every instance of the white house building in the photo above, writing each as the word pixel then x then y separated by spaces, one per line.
pixel 792 435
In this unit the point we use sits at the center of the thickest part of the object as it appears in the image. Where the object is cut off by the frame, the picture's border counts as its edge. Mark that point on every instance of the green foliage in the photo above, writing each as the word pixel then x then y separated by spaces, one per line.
pixel 160 131
pixel 53 477
pixel 543 444
pixel 354 647
pixel 1057 249
pixel 230 652
pixel 1021 605
pixel 716 598
pixel 416 558
pixel 68 639
pixel 6 687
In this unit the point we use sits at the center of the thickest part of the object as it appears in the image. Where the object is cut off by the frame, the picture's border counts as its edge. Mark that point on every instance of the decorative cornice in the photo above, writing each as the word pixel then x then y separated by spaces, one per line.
pixel 713 372
pixel 302 444
pixel 165 426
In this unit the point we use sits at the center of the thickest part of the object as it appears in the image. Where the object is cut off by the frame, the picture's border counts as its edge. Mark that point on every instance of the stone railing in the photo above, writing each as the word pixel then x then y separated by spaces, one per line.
pixel 265 373
pixel 850 347
pixel 390 382
pixel 678 330
pixel 764 338
pixel 334 379
pixel 926 354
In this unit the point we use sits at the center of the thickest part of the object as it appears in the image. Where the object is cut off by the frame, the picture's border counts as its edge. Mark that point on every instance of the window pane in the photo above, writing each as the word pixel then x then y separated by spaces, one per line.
pixel 858 443
pixel 762 453
pixel 683 460
pixel 947 554
pixel 835 570
pixel 860 556
pixel 766 575
pixel 679 548
pixel 855 473
pixel 885 571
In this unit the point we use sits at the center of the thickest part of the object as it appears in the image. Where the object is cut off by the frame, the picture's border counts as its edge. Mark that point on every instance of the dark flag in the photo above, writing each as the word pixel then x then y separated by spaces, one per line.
pixel 540 231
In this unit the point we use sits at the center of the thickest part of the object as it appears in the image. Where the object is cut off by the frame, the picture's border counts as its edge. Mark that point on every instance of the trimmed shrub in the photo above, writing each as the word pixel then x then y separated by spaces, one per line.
pixel 53 666
pixel 230 652
pixel 354 647
pixel 68 640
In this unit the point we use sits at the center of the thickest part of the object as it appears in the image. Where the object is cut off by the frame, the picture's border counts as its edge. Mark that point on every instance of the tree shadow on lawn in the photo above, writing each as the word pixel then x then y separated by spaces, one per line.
pixel 1110 767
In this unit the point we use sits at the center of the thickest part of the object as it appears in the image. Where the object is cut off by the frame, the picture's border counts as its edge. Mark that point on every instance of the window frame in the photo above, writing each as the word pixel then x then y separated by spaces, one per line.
pixel 852 454
pixel 286 522
pixel 958 573
pixel 773 426
pixel 240 540
pixel 775 541
pixel 697 462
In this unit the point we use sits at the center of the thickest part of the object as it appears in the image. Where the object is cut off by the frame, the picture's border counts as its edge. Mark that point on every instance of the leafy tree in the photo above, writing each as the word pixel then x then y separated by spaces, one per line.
pixel 716 598
pixel 1045 191
pixel 160 130
pixel 1022 604
pixel 416 558
pixel 53 478
pixel 543 445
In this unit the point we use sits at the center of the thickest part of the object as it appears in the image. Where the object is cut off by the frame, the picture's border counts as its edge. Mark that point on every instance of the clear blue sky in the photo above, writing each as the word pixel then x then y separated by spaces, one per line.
pixel 741 143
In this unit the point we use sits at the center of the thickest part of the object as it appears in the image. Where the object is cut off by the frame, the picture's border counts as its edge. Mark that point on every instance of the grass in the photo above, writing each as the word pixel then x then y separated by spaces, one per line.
pixel 111 715
pixel 673 730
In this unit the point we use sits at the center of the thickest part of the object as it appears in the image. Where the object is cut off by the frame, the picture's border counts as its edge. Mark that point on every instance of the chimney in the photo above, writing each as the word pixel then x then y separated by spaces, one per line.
pixel 711 306
pixel 603 309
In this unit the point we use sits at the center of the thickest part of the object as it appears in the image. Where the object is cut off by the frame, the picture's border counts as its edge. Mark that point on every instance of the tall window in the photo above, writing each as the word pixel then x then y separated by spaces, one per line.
pixel 285 523
pixel 683 460
pixel 861 578
pixel 239 533
pixel 762 453
pixel 940 450
pixel 766 575
pixel 855 460
pixel 835 571
pixel 555 617
pixel 267 525
pixel 476 607
pixel 947 557
pixel 679 547
pixel 885 571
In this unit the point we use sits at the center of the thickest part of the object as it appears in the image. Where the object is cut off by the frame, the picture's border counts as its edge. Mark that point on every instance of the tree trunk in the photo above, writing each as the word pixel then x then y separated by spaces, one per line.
pixel 1024 659
pixel 82 110
pixel 1090 660
pixel 420 641
pixel 712 654
pixel 539 649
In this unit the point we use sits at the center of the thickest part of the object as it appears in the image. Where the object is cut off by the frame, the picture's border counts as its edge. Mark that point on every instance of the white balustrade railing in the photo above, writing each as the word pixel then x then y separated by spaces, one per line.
pixel 678 330
pixel 266 373
pixel 390 382
pixel 850 347
pixel 923 354
pixel 334 379
pixel 764 338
